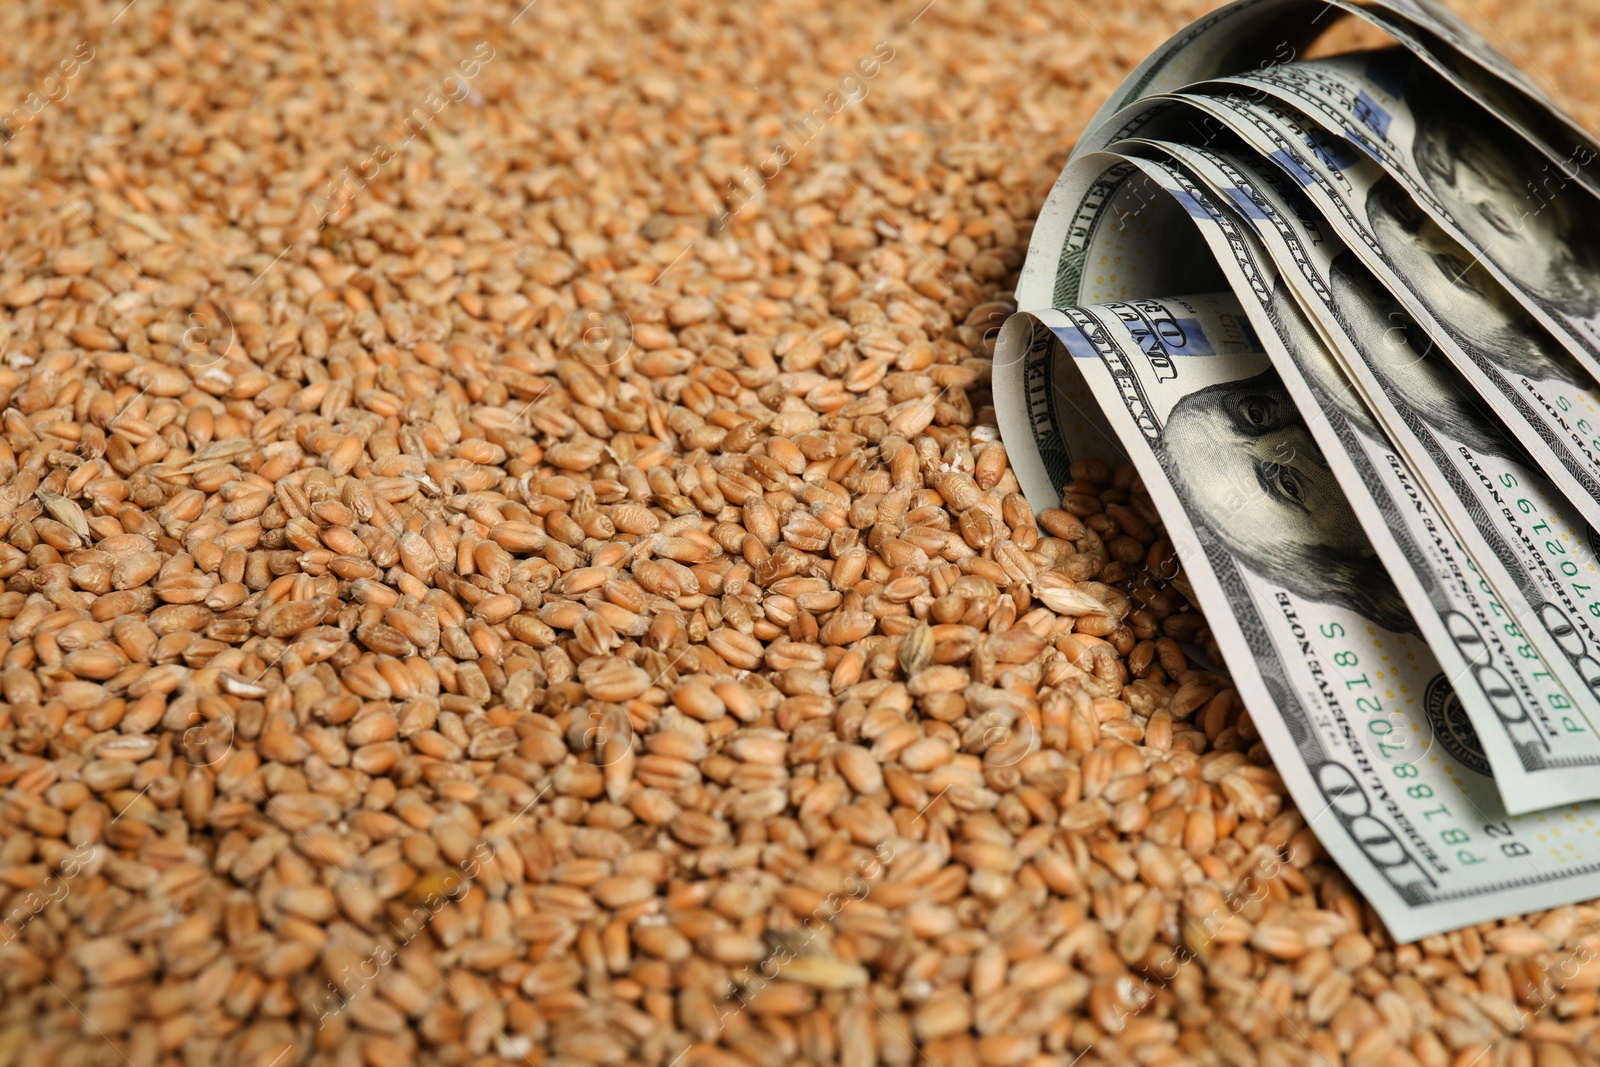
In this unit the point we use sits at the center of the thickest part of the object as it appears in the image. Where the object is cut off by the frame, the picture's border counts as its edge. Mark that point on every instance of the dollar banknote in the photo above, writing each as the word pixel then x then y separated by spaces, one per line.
pixel 1476 177
pixel 1544 398
pixel 1542 746
pixel 1374 439
pixel 1418 827
pixel 1476 70
pixel 1534 552
pixel 1254 35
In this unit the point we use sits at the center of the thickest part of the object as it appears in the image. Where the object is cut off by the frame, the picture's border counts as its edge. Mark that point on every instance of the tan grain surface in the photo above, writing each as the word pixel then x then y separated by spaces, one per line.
pixel 517 605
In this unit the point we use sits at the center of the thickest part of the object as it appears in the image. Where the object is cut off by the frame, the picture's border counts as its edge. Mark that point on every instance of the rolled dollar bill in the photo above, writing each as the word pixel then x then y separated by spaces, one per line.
pixel 1543 397
pixel 1417 826
pixel 1476 177
pixel 1373 438
pixel 1535 554
pixel 1478 71
pixel 1515 553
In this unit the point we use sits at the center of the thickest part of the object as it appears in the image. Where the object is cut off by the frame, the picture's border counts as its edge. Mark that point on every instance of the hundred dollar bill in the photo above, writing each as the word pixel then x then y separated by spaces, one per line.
pixel 1425 838
pixel 1505 583
pixel 1548 403
pixel 1480 72
pixel 1427 841
pixel 1535 230
pixel 1258 34
pixel 1437 34
pixel 1535 551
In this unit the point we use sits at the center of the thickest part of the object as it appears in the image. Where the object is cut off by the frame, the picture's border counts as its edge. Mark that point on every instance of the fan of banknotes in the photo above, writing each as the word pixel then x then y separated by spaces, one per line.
pixel 1343 315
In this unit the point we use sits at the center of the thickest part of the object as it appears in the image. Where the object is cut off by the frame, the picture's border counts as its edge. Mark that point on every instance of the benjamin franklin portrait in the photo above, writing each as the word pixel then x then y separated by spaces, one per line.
pixel 1246 466
pixel 1540 232
pixel 1459 291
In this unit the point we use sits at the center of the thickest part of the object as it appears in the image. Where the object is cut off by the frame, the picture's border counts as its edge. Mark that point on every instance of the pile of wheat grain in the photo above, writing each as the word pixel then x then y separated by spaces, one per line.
pixel 508 558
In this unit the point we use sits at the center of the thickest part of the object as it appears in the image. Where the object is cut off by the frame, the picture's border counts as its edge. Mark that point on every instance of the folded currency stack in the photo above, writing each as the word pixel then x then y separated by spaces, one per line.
pixel 1343 315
